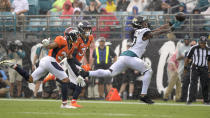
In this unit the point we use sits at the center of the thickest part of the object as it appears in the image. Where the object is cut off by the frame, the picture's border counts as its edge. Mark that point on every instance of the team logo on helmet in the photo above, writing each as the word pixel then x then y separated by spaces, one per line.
pixel 85 28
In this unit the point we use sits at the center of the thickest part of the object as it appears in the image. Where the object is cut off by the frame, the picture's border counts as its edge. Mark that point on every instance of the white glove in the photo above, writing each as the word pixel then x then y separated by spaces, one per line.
pixel 46 42
pixel 81 81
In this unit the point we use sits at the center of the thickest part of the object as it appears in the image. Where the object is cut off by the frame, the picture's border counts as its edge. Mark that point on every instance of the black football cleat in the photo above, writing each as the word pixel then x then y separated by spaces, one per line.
pixel 146 99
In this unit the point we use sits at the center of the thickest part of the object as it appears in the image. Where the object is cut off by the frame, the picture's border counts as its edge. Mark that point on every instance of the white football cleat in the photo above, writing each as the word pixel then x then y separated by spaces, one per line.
pixel 68 106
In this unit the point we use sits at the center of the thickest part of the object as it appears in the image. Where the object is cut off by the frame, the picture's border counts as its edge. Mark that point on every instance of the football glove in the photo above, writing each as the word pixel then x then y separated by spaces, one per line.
pixel 46 42
pixel 81 81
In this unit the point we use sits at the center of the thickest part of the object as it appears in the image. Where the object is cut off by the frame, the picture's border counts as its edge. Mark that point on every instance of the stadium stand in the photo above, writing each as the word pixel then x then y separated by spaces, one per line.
pixel 33 7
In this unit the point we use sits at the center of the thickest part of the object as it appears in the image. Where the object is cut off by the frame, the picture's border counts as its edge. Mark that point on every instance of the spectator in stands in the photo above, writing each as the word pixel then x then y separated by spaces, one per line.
pixel 110 6
pixel 105 22
pixel 4 84
pixel 57 6
pixel 40 53
pixel 77 19
pixel 19 7
pixel 183 8
pixel 5 6
pixel 67 10
pixel 154 5
pixel 166 4
pixel 141 4
pixel 128 27
pixel 93 8
pixel 128 77
pixel 198 22
pixel 79 4
pixel 202 5
pixel 103 60
pixel 122 5
pixel 15 52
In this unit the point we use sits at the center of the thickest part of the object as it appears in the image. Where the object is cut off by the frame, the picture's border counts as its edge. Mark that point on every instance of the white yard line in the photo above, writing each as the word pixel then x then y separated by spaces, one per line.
pixel 104 102
pixel 75 114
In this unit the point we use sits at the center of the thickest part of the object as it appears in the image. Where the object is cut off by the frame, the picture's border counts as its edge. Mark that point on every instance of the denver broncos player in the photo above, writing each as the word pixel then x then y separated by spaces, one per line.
pixel 72 65
pixel 59 49
pixel 82 48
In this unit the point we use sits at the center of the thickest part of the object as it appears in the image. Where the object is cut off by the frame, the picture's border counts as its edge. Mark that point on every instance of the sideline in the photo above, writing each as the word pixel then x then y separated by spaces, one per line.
pixel 105 102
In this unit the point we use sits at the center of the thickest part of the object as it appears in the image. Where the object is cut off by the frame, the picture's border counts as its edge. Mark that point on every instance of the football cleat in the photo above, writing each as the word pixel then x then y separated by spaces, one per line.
pixel 68 106
pixel 10 63
pixel 146 99
pixel 74 103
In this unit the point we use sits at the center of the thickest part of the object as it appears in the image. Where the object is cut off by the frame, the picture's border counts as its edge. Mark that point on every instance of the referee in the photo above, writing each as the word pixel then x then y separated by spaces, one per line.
pixel 200 56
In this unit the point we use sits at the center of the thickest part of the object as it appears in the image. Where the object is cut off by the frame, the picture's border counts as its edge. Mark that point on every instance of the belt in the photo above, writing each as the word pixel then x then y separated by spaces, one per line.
pixel 199 66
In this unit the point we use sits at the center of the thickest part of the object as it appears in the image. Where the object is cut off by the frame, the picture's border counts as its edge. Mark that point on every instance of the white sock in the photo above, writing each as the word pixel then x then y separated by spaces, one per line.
pixel 146 81
pixel 100 73
pixel 130 94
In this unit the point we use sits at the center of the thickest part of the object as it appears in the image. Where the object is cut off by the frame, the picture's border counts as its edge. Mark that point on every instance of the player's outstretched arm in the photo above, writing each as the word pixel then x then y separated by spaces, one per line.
pixel 170 26
pixel 164 29
pixel 46 43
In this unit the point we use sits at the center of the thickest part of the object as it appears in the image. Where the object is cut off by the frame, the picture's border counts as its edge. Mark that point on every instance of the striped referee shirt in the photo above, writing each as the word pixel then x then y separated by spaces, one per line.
pixel 199 56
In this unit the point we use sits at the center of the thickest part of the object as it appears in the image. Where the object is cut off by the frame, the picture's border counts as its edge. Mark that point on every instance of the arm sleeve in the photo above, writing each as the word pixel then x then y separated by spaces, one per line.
pixel 38 50
pixel 112 53
pixel 208 54
pixel 190 53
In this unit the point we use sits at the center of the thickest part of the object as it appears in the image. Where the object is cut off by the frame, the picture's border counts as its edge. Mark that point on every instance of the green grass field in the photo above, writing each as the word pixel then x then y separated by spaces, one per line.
pixel 32 108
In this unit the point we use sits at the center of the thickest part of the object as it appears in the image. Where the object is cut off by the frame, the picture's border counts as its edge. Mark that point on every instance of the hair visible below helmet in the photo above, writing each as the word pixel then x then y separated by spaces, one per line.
pixel 138 22
pixel 82 26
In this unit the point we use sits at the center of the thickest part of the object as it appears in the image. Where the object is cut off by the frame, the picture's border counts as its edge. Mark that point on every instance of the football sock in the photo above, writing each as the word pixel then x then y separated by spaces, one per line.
pixel 77 91
pixel 73 101
pixel 22 72
pixel 146 81
pixel 64 90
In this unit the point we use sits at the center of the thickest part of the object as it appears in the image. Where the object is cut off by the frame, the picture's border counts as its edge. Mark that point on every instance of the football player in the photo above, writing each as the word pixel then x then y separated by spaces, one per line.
pixel 61 47
pixel 132 57
pixel 73 65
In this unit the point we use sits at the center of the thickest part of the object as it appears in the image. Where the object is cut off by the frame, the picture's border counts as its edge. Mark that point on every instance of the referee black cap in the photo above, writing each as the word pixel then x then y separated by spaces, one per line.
pixel 203 39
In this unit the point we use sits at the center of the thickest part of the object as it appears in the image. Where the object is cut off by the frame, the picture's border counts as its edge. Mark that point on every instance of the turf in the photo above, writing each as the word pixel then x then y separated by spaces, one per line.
pixel 26 108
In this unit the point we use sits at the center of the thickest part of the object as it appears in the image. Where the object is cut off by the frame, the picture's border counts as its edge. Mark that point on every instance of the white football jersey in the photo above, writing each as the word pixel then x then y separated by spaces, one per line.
pixel 139 46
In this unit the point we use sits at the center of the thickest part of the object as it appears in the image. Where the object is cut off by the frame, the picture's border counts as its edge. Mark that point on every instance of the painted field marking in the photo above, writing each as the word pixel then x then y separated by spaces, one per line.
pixel 104 102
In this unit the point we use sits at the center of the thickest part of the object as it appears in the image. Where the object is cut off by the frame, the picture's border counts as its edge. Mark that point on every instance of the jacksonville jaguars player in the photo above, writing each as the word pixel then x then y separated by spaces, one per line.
pixel 132 57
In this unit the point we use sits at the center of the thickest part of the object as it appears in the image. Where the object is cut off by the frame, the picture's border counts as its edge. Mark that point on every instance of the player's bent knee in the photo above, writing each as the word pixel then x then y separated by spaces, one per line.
pixel 149 71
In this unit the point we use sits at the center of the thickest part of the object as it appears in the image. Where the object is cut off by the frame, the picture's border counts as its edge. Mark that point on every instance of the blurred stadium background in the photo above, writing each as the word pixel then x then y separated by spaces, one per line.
pixel 36 25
